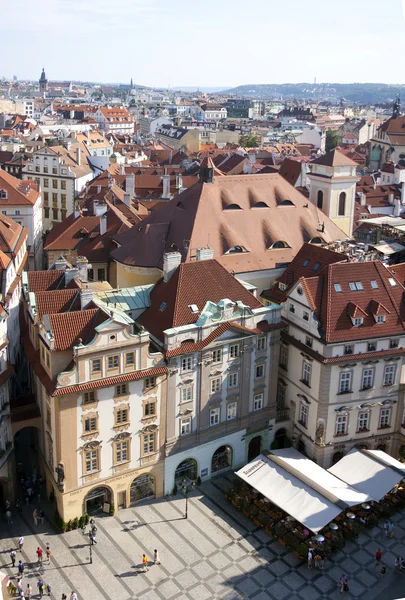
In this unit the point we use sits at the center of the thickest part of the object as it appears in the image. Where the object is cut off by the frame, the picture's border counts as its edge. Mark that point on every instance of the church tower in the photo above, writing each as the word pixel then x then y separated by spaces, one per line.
pixel 43 82
pixel 333 188
pixel 132 84
pixel 396 111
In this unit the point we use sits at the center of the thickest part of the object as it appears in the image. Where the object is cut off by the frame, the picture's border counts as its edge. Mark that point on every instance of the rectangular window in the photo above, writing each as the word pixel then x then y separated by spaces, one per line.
pixel 259 371
pixel 389 375
pixel 233 380
pixel 55 184
pixel 280 396
pixel 345 382
pixel 91 461
pixel 46 182
pixel 214 416
pixel 150 382
pixel 55 214
pixel 367 379
pixel 149 409
pixel 374 284
pixel 46 213
pixel 100 274
pixel 148 443
pixel 46 198
pixel 306 373
pixel 121 416
pixel 303 415
pixel 338 287
pixel 54 171
pixel 121 451
pixel 380 319
pixel 217 355
pixel 45 169
pixel 234 350
pixel 215 385
pixel 55 200
pixel 291 307
pixel 90 424
pixel 261 343
pixel 113 362
pixel 394 344
pixel 284 357
pixel 341 425
pixel 371 346
pixel 257 402
pixel 121 389
pixel 308 341
pixel 231 411
pixel 185 426
pixel 130 358
pixel 187 393
pixel 348 349
pixel 187 363
pixel 305 315
pixel 63 184
pixel 89 397
pixel 63 201
pixel 385 417
pixel 363 421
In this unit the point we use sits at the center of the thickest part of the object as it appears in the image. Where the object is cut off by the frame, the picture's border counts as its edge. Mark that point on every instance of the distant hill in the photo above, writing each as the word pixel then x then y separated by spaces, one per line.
pixel 354 92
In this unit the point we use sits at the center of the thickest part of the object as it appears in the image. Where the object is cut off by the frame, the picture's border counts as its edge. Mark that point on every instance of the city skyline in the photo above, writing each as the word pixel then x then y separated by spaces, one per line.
pixel 132 42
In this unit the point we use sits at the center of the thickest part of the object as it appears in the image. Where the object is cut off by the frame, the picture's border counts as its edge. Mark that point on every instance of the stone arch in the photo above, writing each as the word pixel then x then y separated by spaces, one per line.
pixel 96 498
pixel 186 469
pixel 337 456
pixel 142 487
pixel 221 459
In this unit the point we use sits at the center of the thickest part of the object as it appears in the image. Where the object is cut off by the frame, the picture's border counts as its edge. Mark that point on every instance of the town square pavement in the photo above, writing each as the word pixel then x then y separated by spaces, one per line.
pixel 216 553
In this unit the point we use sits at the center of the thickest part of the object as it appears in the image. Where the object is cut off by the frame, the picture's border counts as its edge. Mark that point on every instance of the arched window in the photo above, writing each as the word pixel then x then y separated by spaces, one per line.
pixel 233 207
pixel 342 204
pixel 236 250
pixel 319 201
pixel 337 457
pixel 261 205
pixel 279 244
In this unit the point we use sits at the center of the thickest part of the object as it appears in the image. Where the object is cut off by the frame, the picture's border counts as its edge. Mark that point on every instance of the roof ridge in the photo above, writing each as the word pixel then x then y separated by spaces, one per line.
pixel 379 265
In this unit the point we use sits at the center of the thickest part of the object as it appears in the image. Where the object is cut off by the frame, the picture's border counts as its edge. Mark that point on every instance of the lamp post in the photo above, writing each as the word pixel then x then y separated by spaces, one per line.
pixel 186 490
pixel 91 534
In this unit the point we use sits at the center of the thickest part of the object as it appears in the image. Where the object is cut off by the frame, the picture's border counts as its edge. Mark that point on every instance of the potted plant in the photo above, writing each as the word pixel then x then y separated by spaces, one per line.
pixel 112 510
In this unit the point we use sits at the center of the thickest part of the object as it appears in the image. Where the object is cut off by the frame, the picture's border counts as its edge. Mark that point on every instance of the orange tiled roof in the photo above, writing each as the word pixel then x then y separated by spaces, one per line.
pixel 67 328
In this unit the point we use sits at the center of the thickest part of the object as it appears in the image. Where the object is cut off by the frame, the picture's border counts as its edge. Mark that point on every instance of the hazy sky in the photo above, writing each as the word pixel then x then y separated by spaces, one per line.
pixel 205 43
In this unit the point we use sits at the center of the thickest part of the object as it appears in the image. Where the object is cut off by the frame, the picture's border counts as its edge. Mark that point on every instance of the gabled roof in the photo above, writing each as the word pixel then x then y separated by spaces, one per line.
pixel 18 192
pixel 57 301
pixel 194 283
pixel 11 234
pixel 251 212
pixel 66 328
pixel 290 170
pixel 334 158
pixel 41 281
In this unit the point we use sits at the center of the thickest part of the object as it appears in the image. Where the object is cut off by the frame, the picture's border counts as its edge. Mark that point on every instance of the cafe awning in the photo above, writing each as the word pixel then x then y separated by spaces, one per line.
pixel 371 471
pixel 301 488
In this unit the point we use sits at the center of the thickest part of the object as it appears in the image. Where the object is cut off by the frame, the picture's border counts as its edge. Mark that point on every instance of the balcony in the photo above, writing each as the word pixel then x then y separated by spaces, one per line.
pixel 283 414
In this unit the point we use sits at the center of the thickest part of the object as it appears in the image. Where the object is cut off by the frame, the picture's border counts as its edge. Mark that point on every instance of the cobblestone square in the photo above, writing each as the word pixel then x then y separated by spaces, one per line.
pixel 215 554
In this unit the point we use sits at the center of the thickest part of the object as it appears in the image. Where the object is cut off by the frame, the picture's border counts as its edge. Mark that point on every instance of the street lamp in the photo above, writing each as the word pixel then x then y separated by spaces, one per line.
pixel 186 490
pixel 91 534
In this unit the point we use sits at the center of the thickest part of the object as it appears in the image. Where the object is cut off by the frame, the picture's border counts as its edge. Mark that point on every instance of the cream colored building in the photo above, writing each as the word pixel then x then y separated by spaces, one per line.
pixel 333 188
pixel 101 396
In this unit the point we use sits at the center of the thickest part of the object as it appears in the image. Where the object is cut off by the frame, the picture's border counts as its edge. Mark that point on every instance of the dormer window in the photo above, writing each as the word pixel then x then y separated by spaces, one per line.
pixel 338 287
pixel 282 286
pixel 380 318
pixel 392 281
pixel 236 250
pixel 357 321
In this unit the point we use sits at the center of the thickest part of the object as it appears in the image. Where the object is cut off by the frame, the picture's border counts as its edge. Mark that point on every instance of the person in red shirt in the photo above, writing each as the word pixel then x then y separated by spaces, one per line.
pixel 39 554
pixel 378 556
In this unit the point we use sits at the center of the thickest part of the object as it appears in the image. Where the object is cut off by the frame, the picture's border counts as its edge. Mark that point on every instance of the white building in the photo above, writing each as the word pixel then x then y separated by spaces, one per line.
pixel 115 119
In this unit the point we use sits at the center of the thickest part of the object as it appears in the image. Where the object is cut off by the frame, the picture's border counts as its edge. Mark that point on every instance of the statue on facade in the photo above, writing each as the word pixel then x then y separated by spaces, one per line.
pixel 60 472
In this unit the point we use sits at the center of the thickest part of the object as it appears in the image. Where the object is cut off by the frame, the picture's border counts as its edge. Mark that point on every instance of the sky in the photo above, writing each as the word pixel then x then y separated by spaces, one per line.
pixel 219 43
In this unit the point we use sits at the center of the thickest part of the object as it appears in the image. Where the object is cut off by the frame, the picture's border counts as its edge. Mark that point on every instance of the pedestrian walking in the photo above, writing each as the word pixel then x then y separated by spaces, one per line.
pixel 385 527
pixel 390 529
pixel 8 504
pixel 383 570
pixel 310 559
pixel 397 564
pixel 378 556
pixel 12 557
pixel 28 591
pixel 8 515
pixel 156 559
pixel 93 539
pixel 35 517
pixel 18 505
pixel 145 562
pixel 64 597
pixel 48 589
pixel 41 587
pixel 317 561
pixel 48 554
pixel 73 596
pixel 20 543
pixel 41 517
pixel 40 553
pixel 21 567
pixel 342 580
pixel 19 585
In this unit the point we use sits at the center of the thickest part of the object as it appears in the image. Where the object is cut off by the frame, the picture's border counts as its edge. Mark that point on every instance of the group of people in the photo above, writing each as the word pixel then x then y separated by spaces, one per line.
pixel 315 559
pixel 145 560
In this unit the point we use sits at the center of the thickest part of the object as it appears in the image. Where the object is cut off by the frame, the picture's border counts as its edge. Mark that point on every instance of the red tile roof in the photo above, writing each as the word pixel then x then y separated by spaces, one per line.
pixel 67 328
pixel 41 281
pixel 334 158
pixel 192 283
pixel 18 192
pixel 58 301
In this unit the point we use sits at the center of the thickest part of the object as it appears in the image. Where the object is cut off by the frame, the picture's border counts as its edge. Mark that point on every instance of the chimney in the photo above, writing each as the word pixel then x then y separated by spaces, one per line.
pixel 78 212
pixel 99 208
pixel 78 156
pixel 206 253
pixel 171 260
pixel 166 187
pixel 70 274
pixel 170 156
pixel 391 198
pixel 122 170
pixel 83 265
pixel 103 224
pixel 130 184
pixel 98 189
pixel 252 157
pixel 179 181
pixel 363 198
pixel 127 200
pixel 207 175
pixel 86 297
pixel 60 264
pixel 397 207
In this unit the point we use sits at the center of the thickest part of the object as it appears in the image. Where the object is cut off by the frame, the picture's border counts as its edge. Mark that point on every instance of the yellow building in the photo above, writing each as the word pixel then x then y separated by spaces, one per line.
pixel 333 188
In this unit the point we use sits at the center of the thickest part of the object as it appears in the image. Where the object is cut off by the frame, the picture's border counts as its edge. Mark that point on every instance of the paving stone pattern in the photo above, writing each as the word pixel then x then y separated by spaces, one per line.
pixel 215 554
